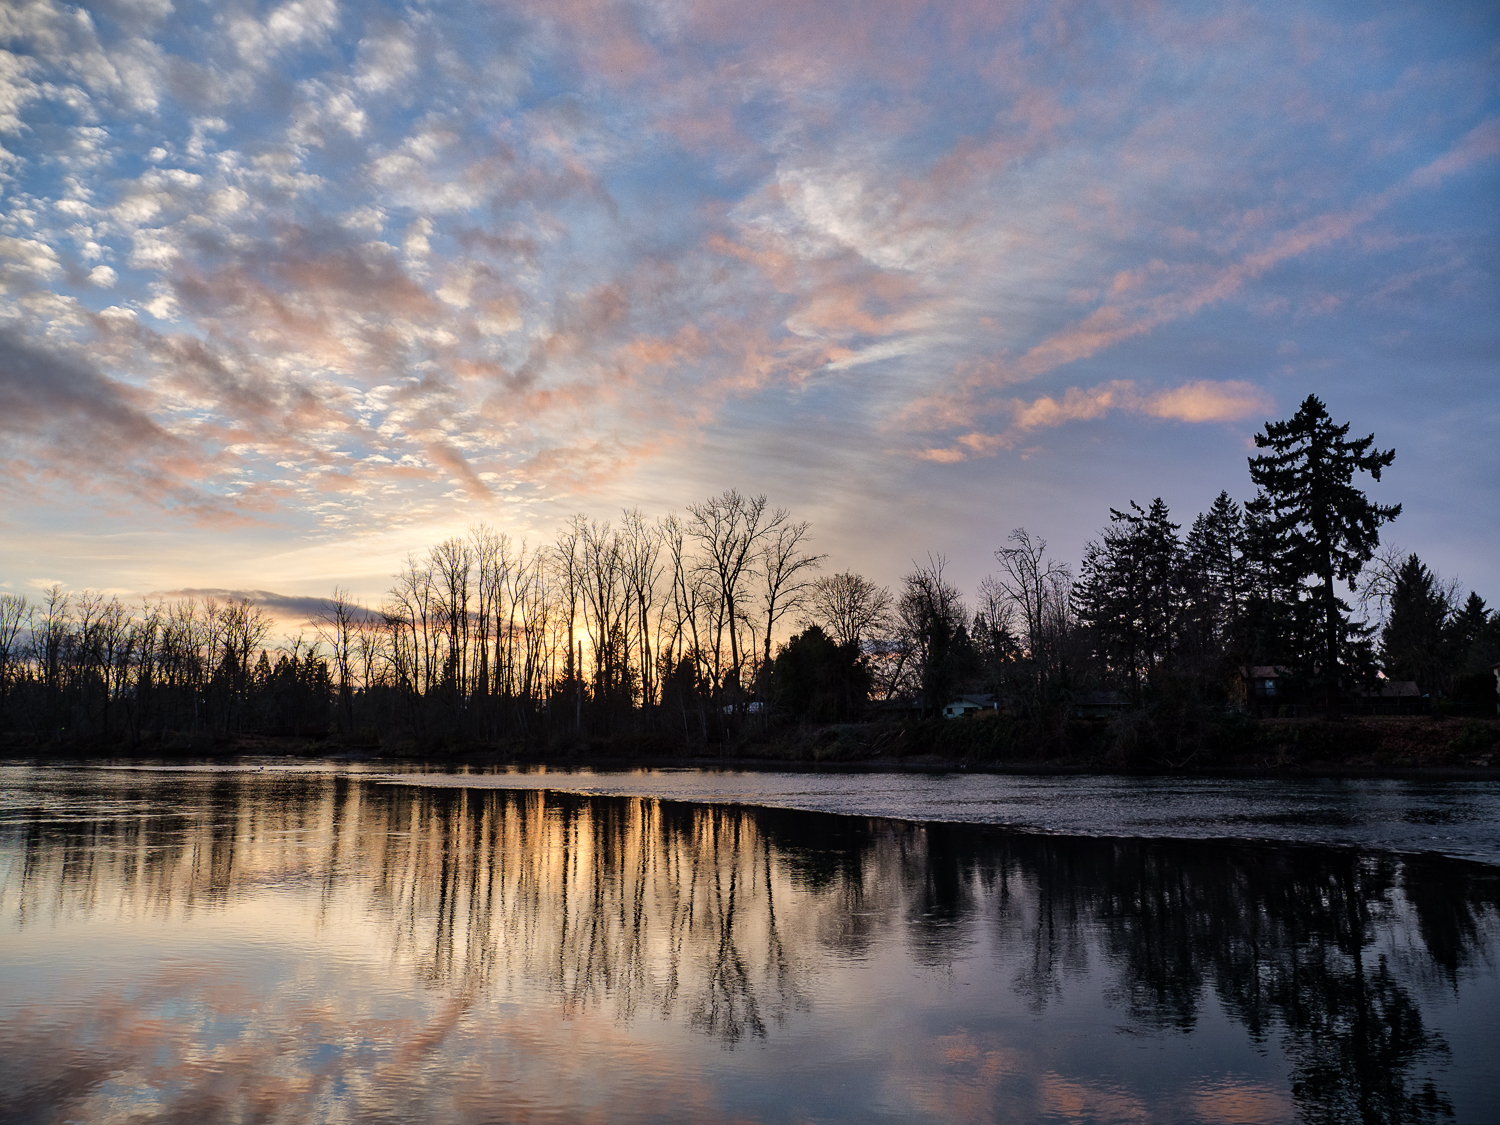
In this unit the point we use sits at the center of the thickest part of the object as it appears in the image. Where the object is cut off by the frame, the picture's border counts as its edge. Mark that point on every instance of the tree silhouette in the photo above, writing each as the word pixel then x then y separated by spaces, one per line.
pixel 1413 642
pixel 1329 528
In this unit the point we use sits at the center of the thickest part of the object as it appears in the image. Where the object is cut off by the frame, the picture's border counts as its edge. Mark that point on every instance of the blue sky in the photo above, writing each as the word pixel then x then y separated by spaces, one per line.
pixel 288 290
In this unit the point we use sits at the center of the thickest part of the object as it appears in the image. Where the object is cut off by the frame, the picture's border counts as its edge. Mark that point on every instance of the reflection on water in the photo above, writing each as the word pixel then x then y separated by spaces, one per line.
pixel 246 946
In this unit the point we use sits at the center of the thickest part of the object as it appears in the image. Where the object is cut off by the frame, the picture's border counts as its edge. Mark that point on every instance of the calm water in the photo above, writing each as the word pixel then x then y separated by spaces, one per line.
pixel 308 945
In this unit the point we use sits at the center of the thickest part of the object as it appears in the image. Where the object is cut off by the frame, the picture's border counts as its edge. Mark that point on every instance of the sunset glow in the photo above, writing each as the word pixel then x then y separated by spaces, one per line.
pixel 289 290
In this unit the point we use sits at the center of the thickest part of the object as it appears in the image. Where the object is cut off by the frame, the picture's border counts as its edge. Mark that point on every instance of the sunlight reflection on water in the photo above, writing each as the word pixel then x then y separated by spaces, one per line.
pixel 1456 818
pixel 345 945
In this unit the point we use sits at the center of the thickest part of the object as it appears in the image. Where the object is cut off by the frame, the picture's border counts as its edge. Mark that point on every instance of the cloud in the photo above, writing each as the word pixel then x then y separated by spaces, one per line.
pixel 1076 406
pixel 290 608
pixel 62 417
pixel 28 257
pixel 16 89
pixel 1145 301
pixel 1199 401
pixel 1203 401
pixel 320 261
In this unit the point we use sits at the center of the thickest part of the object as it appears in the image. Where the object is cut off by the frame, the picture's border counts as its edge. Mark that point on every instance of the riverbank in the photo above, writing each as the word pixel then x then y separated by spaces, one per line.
pixel 1397 746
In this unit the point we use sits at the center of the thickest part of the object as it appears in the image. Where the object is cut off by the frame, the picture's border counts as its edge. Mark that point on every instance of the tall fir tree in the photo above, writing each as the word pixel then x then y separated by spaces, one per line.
pixel 1475 635
pixel 1269 625
pixel 1216 578
pixel 1414 644
pixel 1326 528
pixel 1129 593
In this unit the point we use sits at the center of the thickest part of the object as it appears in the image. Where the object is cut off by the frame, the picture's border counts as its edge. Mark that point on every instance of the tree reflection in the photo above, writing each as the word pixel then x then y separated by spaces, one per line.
pixel 1282 935
pixel 722 918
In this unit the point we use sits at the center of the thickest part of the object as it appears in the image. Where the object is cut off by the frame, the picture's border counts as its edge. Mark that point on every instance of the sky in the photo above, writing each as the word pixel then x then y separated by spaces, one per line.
pixel 288 290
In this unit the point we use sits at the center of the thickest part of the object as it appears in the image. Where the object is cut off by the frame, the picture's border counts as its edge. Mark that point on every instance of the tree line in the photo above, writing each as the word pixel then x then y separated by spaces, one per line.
pixel 670 627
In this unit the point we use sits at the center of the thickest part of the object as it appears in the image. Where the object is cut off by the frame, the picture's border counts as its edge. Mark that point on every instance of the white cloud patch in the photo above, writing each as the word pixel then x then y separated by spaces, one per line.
pixel 367 218
pixel 385 60
pixel 30 256
pixel 293 24
pixel 17 89
pixel 154 248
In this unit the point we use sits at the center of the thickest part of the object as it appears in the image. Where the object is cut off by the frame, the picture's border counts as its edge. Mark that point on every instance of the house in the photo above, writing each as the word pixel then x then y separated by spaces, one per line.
pixel 1258 688
pixel 899 708
pixel 1099 704
pixel 970 705
pixel 1260 681
pixel 1394 697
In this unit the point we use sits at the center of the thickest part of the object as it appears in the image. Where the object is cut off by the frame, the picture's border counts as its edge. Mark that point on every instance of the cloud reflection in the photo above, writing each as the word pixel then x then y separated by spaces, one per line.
pixel 341 949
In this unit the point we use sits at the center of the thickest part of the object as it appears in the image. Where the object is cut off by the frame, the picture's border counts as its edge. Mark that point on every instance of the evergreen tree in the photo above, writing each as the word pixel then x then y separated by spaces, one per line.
pixel 1327 528
pixel 814 678
pixel 1269 624
pixel 1216 580
pixel 1474 635
pixel 1129 593
pixel 1413 643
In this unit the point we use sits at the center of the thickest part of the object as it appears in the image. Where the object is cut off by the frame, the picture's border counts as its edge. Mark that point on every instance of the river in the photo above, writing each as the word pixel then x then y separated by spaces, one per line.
pixel 277 941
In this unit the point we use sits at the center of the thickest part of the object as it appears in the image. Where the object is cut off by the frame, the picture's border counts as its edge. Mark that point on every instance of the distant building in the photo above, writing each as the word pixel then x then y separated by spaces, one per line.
pixel 1259 688
pixel 898 708
pixel 970 705
pixel 1099 704
pixel 1393 697
pixel 1261 681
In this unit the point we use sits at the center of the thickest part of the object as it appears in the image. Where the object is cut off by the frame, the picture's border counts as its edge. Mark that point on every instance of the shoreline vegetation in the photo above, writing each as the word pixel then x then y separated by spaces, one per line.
pixel 1229 647
pixel 1366 746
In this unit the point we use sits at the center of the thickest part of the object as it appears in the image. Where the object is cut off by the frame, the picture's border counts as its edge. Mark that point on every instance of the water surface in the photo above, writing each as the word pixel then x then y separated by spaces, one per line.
pixel 1457 818
pixel 304 945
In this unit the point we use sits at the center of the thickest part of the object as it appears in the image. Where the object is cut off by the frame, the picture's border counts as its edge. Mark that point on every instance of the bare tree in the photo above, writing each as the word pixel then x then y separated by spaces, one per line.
pixel 606 612
pixel 786 574
pixel 932 617
pixel 337 625
pixel 530 632
pixel 641 545
pixel 565 558
pixel 49 633
pixel 149 635
pixel 729 530
pixel 452 564
pixel 412 615
pixel 243 629
pixel 15 611
pixel 850 608
pixel 113 647
pixel 491 556
pixel 1039 589
pixel 1035 584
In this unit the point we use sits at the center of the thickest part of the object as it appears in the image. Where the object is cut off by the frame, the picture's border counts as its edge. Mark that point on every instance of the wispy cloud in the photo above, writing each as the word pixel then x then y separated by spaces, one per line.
pixel 1199 401
pixel 332 268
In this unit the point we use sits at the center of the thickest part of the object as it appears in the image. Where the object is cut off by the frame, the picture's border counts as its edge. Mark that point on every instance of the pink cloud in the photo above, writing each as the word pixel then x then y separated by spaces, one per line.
pixel 1200 401
pixel 1204 401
